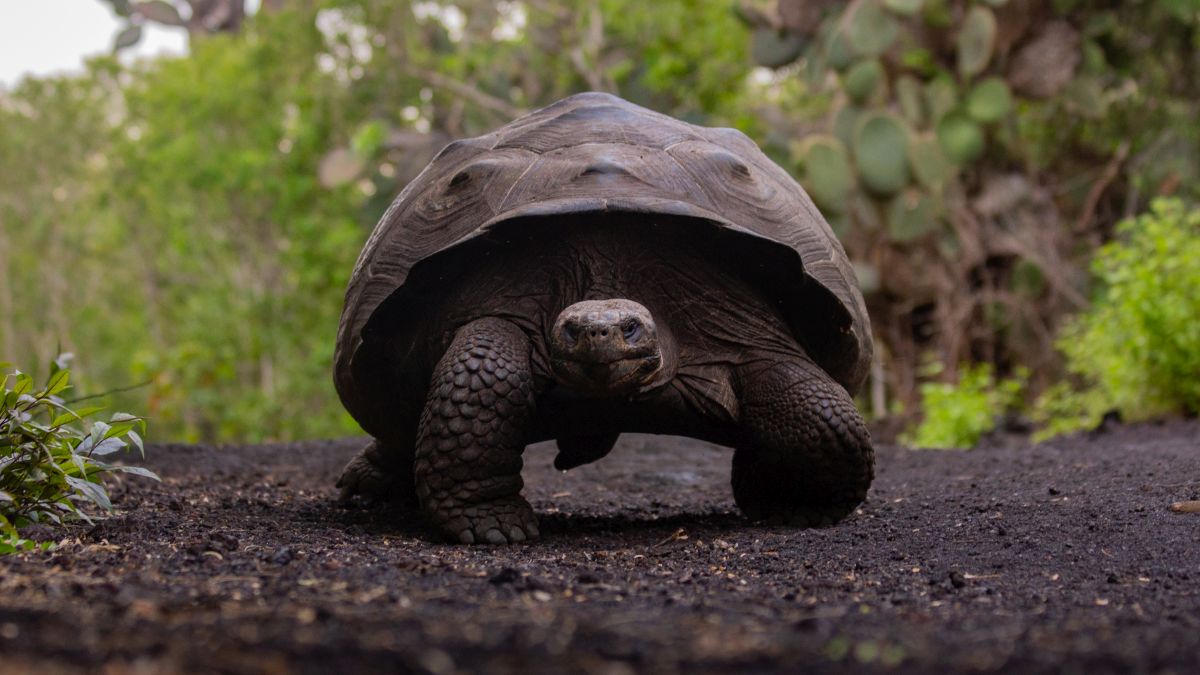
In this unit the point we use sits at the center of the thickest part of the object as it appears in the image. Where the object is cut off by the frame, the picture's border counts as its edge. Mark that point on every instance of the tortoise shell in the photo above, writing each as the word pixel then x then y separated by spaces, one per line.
pixel 595 153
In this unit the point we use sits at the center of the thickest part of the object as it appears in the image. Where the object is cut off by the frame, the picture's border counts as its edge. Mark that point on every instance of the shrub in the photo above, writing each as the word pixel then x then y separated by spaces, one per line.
pixel 50 468
pixel 957 415
pixel 1137 348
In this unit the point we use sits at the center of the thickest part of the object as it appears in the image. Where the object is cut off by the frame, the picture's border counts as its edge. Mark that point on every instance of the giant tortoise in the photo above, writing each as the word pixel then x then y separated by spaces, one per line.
pixel 594 268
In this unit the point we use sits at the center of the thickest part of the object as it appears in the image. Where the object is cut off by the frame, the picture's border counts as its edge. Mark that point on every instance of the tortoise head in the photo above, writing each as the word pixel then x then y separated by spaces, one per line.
pixel 605 347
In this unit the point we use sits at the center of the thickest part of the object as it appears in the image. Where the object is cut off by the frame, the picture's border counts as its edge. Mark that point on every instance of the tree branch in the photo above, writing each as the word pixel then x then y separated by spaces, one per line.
pixel 473 94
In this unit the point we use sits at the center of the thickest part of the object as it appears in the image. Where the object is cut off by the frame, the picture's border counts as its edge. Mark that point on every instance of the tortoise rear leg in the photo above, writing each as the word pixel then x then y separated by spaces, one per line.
pixel 807 457
pixel 381 471
pixel 472 434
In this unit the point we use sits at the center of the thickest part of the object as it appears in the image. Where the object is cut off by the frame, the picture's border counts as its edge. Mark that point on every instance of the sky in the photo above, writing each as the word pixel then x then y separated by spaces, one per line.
pixel 41 37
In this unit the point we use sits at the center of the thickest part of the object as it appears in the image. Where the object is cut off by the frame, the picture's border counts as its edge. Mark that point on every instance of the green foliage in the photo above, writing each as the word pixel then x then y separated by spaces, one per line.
pixel 192 222
pixel 1011 114
pixel 957 415
pixel 1137 348
pixel 1063 409
pixel 50 468
pixel 245 252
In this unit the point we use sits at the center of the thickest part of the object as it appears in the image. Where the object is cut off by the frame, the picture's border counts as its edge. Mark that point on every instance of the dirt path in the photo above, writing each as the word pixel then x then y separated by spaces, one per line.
pixel 1057 558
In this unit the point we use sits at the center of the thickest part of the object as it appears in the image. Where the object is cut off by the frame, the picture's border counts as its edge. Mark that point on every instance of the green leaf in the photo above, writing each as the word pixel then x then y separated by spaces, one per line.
pixel 912 214
pixel 839 52
pixel 845 124
pixel 989 101
pixel 960 138
pixel 127 38
pixel 88 411
pixel 99 431
pixel 871 28
pixel 827 176
pixel 138 471
pixel 975 41
pixel 159 12
pixel 881 153
pixel 91 491
pixel 80 463
pixel 772 48
pixel 863 80
pixel 63 418
pixel 120 428
pixel 58 382
pixel 24 384
pixel 137 442
pixel 928 162
pixel 106 447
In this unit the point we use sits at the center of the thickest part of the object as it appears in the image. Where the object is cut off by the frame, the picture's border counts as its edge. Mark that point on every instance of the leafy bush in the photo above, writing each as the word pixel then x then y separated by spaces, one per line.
pixel 50 469
pixel 957 415
pixel 1137 349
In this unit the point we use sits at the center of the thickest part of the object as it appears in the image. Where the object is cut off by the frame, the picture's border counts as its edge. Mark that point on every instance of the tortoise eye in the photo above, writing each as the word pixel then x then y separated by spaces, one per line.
pixel 571 331
pixel 631 329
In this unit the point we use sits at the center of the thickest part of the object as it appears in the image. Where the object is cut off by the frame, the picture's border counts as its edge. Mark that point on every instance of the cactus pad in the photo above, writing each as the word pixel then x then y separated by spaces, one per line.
pixel 881 153
pixel 976 40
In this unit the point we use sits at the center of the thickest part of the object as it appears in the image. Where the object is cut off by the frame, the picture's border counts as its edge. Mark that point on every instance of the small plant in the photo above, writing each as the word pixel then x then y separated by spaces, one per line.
pixel 50 468
pixel 957 415
pixel 1137 349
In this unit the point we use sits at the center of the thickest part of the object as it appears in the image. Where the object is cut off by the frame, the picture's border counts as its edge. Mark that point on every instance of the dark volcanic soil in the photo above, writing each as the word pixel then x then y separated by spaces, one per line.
pixel 1061 557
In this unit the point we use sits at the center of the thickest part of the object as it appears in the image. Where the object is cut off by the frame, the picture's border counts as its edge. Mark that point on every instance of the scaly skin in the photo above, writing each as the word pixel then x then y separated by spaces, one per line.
pixel 472 434
pixel 379 473
pixel 807 458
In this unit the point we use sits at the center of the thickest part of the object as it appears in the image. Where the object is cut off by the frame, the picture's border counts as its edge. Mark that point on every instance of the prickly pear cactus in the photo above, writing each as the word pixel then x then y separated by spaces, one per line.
pixel 922 91
pixel 925 167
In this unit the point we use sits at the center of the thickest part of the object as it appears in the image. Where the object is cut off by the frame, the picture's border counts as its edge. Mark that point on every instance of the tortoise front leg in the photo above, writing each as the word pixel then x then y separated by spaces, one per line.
pixel 472 434
pixel 806 458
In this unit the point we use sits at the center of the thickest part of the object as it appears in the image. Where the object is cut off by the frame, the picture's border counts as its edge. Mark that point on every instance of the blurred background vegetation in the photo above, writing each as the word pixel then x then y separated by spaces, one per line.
pixel 189 223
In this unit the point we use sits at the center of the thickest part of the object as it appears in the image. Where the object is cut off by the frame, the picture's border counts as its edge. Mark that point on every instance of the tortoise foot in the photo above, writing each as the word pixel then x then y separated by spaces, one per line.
pixel 505 521
pixel 807 460
pixel 776 493
pixel 368 476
